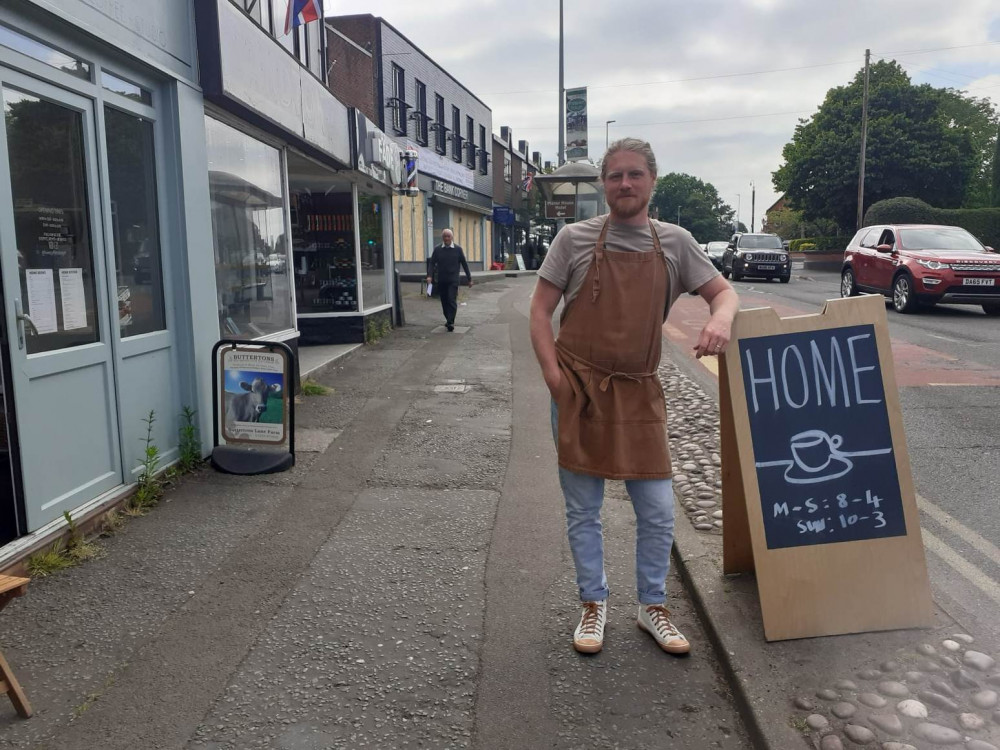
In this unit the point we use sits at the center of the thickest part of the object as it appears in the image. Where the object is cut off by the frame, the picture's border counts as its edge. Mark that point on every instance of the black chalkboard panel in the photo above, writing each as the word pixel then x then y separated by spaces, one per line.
pixel 825 463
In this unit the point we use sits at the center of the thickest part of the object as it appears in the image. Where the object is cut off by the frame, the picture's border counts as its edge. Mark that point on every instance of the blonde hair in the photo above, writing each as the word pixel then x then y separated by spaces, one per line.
pixel 636 146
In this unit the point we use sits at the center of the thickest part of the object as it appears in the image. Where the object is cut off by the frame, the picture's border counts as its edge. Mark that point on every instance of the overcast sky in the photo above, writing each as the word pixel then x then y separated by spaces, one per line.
pixel 726 128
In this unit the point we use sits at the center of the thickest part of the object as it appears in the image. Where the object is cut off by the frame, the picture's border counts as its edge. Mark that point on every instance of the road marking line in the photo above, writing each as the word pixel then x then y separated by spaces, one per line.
pixel 966 569
pixel 956 527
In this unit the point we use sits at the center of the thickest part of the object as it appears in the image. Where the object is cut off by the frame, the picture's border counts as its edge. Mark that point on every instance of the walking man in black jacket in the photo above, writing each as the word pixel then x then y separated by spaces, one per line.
pixel 442 270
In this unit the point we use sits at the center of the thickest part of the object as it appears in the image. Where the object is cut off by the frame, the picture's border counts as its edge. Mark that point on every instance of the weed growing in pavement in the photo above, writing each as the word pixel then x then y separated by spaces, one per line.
pixel 48 561
pixel 150 487
pixel 189 446
pixel 798 723
pixel 377 327
pixel 77 547
pixel 112 523
pixel 312 388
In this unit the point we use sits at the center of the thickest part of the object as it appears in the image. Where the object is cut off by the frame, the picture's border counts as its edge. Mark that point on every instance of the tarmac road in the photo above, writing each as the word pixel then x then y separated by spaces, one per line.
pixel 948 366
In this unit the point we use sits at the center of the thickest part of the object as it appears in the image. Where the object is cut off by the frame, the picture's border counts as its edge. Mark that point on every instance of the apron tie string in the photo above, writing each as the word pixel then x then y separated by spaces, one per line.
pixel 609 374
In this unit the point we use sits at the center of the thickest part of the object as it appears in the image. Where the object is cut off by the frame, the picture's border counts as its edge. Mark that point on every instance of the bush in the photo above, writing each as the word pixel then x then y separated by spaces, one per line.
pixel 818 244
pixel 984 223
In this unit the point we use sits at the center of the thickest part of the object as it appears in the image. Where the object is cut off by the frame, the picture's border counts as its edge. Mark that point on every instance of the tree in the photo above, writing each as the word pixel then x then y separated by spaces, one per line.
pixel 789 224
pixel 996 173
pixel 913 149
pixel 980 120
pixel 702 211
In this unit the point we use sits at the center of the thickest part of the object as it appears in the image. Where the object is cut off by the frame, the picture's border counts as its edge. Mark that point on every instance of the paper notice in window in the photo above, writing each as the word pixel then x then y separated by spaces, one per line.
pixel 74 302
pixel 41 300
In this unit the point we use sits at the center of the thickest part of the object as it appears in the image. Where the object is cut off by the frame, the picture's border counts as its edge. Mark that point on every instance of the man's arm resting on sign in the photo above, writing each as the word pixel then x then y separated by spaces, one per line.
pixel 723 302
pixel 544 302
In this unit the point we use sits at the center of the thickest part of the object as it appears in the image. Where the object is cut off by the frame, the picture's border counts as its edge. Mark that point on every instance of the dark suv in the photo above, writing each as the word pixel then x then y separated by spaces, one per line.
pixel 756 255
pixel 918 265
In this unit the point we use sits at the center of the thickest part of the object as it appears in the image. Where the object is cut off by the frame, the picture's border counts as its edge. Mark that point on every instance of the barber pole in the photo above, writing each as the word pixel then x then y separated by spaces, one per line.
pixel 409 186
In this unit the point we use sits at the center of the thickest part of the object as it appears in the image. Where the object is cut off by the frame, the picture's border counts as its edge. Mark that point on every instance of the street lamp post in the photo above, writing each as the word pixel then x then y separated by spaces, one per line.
pixel 678 216
pixel 607 141
pixel 736 224
pixel 753 201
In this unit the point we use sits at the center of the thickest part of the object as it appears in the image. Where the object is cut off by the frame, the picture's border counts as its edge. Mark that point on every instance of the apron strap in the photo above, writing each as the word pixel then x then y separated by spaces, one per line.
pixel 598 257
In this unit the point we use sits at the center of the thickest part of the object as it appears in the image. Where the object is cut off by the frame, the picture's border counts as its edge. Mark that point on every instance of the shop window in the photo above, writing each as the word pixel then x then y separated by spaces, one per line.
pixel 42 52
pixel 126 88
pixel 421 112
pixel 373 280
pixel 456 133
pixel 134 222
pixel 323 253
pixel 248 226
pixel 441 130
pixel 52 226
pixel 483 159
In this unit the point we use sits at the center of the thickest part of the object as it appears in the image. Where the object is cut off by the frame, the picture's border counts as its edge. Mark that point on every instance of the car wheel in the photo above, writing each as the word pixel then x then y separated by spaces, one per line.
pixel 725 272
pixel 903 300
pixel 991 309
pixel 736 274
pixel 847 286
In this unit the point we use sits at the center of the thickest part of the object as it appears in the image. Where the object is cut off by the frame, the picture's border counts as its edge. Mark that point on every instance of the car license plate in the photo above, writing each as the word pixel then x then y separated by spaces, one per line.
pixel 766 268
pixel 979 282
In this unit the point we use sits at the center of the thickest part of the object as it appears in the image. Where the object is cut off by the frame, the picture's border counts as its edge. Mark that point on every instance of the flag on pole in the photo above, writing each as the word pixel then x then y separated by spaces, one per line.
pixel 300 12
pixel 527 182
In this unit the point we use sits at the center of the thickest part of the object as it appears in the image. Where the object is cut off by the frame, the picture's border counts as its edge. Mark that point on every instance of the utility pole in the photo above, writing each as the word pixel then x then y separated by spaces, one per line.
pixel 678 216
pixel 753 201
pixel 607 140
pixel 864 143
pixel 736 225
pixel 562 93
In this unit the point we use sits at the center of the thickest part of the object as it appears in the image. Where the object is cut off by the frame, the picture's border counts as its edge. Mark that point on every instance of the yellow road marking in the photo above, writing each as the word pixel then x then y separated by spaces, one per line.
pixel 966 569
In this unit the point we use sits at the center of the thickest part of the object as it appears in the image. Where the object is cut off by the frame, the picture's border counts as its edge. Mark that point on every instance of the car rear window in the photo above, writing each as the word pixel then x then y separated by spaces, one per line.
pixel 932 238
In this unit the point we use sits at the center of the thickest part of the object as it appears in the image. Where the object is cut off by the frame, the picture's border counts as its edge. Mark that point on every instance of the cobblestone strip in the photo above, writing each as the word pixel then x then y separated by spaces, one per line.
pixel 924 697
pixel 693 423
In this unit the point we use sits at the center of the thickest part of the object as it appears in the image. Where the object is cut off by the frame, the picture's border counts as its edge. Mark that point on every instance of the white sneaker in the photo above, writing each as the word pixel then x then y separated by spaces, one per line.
pixel 655 620
pixel 588 638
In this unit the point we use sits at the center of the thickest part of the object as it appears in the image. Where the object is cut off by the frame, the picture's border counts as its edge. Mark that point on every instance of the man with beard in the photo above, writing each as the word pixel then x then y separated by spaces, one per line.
pixel 618 275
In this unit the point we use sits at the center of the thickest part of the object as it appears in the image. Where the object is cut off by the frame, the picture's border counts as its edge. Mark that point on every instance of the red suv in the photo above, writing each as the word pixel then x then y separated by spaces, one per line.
pixel 920 265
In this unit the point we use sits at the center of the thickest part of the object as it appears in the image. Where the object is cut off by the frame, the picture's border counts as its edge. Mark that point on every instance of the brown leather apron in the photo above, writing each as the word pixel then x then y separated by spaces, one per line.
pixel 612 416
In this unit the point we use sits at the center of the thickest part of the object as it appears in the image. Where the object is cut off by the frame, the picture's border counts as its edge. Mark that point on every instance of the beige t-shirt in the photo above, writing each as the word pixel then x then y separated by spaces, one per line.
pixel 572 251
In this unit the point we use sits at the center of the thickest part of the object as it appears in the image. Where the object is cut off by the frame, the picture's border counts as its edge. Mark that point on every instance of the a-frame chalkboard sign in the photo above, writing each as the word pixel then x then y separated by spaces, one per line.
pixel 817 492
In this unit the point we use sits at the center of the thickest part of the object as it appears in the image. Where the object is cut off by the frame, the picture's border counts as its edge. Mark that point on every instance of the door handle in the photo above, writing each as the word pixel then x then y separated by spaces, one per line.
pixel 22 318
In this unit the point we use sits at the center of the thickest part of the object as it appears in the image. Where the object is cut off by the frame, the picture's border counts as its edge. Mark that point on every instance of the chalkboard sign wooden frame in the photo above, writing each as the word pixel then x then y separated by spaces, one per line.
pixel 874 576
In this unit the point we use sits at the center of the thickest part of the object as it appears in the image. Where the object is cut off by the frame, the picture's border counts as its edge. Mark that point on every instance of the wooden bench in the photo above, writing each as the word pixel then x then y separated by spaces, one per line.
pixel 12 587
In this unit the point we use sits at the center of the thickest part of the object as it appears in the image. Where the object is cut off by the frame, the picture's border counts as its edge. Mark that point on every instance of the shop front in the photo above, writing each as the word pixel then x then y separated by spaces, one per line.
pixel 96 279
pixel 467 213
pixel 342 257
pixel 277 146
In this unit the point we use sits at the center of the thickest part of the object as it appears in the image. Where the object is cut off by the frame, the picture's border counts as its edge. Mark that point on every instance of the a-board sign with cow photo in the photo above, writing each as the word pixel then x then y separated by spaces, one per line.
pixel 254 408
pixel 817 491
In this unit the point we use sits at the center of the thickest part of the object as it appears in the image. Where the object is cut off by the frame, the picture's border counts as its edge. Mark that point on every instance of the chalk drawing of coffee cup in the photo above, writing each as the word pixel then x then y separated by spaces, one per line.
pixel 813 450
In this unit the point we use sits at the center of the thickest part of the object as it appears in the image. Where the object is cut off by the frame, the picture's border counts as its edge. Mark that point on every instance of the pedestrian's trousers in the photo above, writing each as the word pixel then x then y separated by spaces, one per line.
pixel 653 503
pixel 449 301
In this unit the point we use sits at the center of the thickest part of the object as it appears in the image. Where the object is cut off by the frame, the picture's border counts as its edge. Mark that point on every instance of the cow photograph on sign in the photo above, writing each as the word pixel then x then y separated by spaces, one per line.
pixel 253 404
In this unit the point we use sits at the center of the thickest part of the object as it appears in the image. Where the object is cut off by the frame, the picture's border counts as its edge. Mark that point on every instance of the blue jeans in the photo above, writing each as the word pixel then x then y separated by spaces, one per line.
pixel 653 503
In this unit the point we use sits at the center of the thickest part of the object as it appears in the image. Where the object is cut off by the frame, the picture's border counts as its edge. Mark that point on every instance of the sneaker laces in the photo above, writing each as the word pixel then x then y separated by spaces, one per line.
pixel 590 623
pixel 660 617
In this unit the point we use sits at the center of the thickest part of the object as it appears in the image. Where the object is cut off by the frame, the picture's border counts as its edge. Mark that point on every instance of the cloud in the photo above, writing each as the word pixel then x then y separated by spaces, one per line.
pixel 727 130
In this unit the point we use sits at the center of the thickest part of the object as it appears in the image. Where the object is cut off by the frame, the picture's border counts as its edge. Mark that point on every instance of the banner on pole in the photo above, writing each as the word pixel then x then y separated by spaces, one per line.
pixel 576 124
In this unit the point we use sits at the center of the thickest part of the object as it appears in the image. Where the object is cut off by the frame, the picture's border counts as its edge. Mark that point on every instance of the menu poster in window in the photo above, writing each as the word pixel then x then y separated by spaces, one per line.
pixel 817 491
pixel 255 394
pixel 41 300
pixel 74 302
